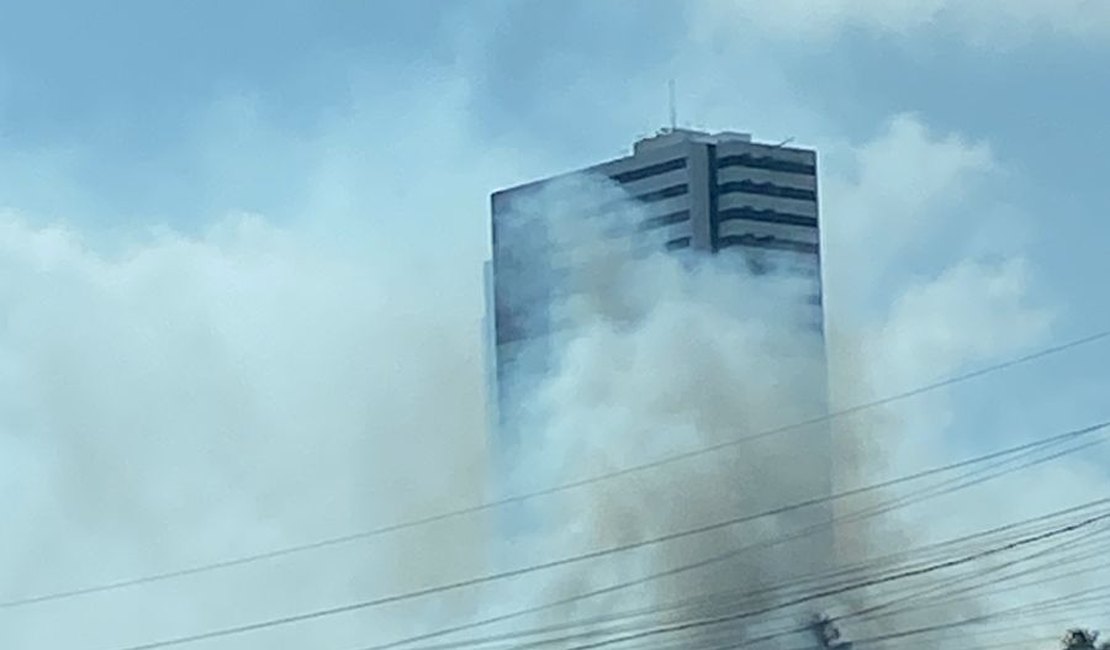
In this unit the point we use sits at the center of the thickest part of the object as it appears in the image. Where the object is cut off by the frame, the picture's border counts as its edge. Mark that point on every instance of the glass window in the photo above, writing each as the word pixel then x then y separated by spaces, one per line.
pixel 767 242
pixel 766 189
pixel 766 162
pixel 664 220
pixel 665 193
pixel 649 171
pixel 766 216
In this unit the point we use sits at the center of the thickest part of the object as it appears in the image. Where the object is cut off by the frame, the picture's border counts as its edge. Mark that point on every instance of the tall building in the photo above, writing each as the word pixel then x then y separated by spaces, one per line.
pixel 694 190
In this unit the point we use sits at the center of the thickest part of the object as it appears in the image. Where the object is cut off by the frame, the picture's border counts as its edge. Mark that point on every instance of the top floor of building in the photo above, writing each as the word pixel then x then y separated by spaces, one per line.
pixel 676 153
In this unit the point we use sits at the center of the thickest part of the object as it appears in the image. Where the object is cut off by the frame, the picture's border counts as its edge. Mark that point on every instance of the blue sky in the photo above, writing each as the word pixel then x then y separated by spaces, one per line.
pixel 153 113
pixel 965 214
pixel 113 99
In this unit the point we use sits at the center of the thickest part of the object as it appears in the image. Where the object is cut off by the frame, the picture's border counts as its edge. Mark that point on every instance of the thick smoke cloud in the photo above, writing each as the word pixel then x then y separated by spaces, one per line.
pixel 192 399
pixel 174 399
pixel 655 354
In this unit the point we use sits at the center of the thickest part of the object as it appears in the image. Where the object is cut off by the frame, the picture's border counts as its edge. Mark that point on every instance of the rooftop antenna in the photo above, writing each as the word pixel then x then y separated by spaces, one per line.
pixel 784 143
pixel 674 112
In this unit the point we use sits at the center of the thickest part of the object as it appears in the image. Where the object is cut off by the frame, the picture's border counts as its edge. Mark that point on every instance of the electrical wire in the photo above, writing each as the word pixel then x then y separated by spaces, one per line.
pixel 376 602
pixel 798 585
pixel 666 629
pixel 583 624
pixel 520 498
pixel 943 594
pixel 702 564
pixel 1067 600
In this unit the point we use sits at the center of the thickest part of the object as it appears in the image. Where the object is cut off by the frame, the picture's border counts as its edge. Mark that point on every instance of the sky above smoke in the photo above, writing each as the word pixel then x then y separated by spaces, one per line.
pixel 240 286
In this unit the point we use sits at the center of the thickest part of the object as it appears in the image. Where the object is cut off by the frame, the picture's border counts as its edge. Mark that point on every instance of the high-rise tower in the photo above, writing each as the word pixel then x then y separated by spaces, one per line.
pixel 691 192
pixel 695 190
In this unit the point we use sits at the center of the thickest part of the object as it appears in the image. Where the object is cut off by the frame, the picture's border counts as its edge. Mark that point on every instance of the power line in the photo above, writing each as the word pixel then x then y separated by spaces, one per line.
pixel 701 564
pixel 527 496
pixel 799 583
pixel 471 582
pixel 716 599
pixel 1061 622
pixel 1074 601
pixel 677 627
pixel 1066 600
pixel 746 595
pixel 1043 606
pixel 1095 600
pixel 751 595
pixel 943 593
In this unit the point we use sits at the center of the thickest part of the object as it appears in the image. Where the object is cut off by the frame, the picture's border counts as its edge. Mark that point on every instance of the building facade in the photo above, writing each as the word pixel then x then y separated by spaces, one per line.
pixel 694 191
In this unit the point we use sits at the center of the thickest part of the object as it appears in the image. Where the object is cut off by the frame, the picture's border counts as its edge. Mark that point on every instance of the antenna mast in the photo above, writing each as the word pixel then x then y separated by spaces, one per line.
pixel 674 112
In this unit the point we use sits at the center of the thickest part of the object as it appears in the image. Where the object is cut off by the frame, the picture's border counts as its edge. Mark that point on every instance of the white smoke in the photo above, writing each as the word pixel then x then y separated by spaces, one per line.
pixel 193 399
pixel 177 399
pixel 657 354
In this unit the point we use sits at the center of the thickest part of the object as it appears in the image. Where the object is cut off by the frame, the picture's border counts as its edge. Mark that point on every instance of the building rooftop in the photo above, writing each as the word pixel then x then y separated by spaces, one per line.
pixel 668 137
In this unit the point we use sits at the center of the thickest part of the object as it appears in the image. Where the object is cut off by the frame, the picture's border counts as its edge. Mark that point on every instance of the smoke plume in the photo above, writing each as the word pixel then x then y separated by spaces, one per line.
pixel 173 400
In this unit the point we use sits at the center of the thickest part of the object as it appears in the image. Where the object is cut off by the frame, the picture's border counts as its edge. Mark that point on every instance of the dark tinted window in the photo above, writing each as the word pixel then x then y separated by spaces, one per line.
pixel 678 244
pixel 767 242
pixel 665 220
pixel 766 216
pixel 649 171
pixel 766 189
pixel 766 162
pixel 665 193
